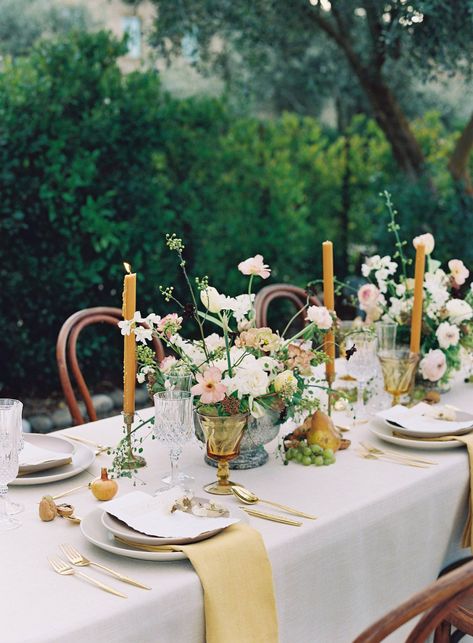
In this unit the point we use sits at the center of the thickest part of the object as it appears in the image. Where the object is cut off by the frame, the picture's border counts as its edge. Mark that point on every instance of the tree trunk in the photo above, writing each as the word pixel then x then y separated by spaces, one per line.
pixel 390 118
pixel 458 164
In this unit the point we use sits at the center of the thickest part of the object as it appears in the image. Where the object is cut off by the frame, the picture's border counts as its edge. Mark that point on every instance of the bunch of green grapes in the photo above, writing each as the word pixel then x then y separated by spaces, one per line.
pixel 308 454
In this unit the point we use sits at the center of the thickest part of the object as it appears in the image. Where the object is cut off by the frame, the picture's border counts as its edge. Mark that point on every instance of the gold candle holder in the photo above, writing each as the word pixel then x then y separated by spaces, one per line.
pixel 399 368
pixel 223 436
pixel 133 461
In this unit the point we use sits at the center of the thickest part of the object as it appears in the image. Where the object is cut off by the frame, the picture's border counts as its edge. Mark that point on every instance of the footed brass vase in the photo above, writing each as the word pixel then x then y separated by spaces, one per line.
pixel 399 368
pixel 223 436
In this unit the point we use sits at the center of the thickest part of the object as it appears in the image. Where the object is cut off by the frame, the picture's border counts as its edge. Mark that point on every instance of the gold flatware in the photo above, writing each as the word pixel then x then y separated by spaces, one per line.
pixel 100 447
pixel 371 456
pixel 440 438
pixel 249 498
pixel 131 543
pixel 62 568
pixel 68 491
pixel 272 517
pixel 76 558
pixel 377 450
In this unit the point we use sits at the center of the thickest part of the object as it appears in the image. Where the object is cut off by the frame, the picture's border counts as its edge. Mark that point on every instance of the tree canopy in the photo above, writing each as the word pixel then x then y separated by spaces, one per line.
pixel 368 55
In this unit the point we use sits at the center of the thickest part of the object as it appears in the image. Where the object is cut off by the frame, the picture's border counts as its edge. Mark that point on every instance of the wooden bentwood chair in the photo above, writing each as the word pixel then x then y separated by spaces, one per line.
pixel 268 294
pixel 66 353
pixel 438 602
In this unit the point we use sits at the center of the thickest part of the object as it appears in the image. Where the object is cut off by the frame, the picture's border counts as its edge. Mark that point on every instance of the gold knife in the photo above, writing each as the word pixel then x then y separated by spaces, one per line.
pixel 273 517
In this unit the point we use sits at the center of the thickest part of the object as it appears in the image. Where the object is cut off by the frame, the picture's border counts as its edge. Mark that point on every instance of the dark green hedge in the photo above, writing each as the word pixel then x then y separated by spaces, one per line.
pixel 95 168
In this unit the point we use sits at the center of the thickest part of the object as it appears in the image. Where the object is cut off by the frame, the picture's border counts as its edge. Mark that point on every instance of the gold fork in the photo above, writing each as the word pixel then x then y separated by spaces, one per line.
pixel 376 450
pixel 76 558
pixel 62 568
pixel 100 448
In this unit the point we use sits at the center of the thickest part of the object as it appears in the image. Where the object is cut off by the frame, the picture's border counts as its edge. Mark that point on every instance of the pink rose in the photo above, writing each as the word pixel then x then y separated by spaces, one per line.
pixel 434 365
pixel 209 386
pixel 255 266
pixel 320 316
pixel 458 271
pixel 368 296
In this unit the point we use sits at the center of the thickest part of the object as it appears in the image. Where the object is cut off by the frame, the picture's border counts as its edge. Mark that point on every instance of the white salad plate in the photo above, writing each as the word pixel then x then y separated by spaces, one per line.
pixel 82 457
pixel 385 432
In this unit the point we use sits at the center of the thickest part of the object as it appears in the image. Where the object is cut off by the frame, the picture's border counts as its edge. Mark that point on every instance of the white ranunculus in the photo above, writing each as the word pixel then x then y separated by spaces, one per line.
pixel 212 299
pixel 433 366
pixel 427 240
pixel 459 310
pixel 252 382
pixel 214 341
pixel 320 316
pixel 447 335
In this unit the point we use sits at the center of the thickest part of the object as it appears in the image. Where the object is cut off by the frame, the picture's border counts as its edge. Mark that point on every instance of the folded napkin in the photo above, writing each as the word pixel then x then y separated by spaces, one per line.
pixel 33 458
pixel 421 419
pixel 151 515
pixel 235 573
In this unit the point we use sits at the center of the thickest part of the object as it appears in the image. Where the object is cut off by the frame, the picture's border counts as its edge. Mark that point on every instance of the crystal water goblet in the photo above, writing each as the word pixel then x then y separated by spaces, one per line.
pixel 10 442
pixel 179 378
pixel 173 425
pixel 361 364
pixel 386 334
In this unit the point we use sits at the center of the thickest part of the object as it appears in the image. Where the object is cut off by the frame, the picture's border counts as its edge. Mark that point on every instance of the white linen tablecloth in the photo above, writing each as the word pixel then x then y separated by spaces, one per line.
pixel 384 531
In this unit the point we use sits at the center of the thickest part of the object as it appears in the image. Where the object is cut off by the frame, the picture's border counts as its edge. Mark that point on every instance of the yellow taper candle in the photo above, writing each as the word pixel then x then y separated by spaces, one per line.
pixel 129 360
pixel 329 302
pixel 416 322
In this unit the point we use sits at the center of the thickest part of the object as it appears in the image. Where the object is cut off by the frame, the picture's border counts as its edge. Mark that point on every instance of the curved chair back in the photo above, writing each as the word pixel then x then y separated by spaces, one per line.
pixel 66 356
pixel 435 602
pixel 268 294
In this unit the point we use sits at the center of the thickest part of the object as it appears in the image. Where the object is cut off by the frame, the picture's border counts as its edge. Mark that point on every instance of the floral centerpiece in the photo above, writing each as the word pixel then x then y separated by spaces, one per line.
pixel 235 367
pixel 447 321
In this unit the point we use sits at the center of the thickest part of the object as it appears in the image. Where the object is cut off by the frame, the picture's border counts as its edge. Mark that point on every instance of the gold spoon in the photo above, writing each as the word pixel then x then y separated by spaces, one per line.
pixel 249 498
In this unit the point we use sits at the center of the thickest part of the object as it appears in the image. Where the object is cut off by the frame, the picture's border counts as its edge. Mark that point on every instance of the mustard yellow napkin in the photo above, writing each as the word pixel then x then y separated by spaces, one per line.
pixel 467 537
pixel 236 577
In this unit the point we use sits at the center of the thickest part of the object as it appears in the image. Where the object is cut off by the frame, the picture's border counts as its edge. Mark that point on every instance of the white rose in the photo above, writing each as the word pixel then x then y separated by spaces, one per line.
pixel 425 240
pixel 458 310
pixel 447 335
pixel 212 299
pixel 285 382
pixel 320 316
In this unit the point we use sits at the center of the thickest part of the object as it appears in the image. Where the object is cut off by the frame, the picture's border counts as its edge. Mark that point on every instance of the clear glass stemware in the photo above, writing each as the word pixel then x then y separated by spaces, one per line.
pixel 173 425
pixel 10 444
pixel 361 364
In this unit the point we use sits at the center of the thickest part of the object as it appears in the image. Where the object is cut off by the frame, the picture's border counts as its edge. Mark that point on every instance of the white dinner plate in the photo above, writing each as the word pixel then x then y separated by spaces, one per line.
pixel 119 528
pixel 95 532
pixel 82 457
pixel 434 433
pixel 384 432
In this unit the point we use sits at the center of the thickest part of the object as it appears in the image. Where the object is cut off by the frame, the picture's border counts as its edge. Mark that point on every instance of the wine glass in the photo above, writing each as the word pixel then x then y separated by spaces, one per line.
pixel 173 425
pixel 10 442
pixel 179 378
pixel 361 364
pixel 386 332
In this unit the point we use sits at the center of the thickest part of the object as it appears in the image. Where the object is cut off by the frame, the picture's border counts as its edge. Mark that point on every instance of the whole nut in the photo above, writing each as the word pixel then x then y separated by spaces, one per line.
pixel 65 510
pixel 47 509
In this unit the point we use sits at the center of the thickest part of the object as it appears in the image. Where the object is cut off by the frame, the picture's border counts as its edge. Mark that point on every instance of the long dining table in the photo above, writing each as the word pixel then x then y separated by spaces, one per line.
pixel 384 531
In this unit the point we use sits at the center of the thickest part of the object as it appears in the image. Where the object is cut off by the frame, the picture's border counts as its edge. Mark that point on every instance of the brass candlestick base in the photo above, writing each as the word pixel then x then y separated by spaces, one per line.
pixel 133 461
pixel 330 380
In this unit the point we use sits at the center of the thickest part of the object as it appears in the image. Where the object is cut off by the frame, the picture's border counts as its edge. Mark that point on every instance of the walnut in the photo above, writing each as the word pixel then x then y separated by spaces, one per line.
pixel 47 509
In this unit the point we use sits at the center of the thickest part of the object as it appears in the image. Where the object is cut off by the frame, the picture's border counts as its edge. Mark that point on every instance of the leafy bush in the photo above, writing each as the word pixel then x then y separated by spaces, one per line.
pixel 95 168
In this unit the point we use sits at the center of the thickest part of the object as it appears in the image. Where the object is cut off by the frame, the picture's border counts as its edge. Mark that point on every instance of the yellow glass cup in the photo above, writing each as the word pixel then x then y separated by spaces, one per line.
pixel 399 368
pixel 223 436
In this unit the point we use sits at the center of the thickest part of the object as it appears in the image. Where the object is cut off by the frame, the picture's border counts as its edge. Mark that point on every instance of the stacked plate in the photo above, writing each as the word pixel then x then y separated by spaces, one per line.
pixel 45 459
pixel 137 524
pixel 423 426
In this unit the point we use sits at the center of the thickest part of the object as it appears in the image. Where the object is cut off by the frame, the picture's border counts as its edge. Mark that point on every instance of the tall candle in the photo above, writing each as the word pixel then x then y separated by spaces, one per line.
pixel 129 359
pixel 416 322
pixel 329 302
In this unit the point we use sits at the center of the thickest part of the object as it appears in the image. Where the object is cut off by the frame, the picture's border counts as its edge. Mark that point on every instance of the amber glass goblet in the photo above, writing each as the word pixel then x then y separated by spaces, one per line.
pixel 223 436
pixel 399 368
